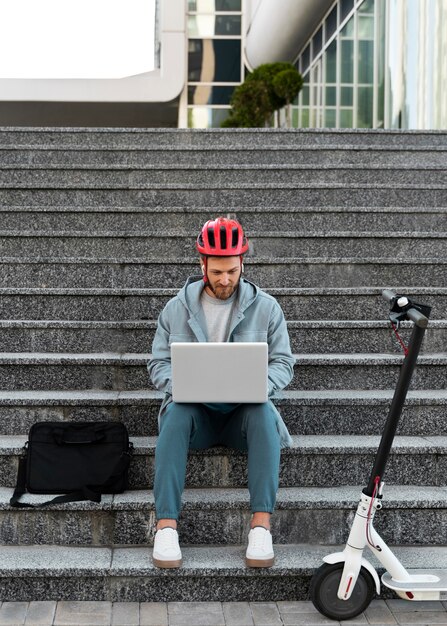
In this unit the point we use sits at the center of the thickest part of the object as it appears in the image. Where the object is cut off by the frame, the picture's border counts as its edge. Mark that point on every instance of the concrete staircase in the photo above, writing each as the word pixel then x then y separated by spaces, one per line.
pixel 97 232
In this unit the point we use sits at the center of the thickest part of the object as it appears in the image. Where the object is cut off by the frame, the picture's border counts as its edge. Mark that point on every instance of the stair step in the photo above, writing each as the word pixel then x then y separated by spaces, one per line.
pixel 131 336
pixel 344 412
pixel 312 461
pixel 205 177
pixel 63 156
pixel 326 272
pixel 169 139
pixel 331 219
pixel 306 304
pixel 291 243
pixel 30 573
pixel 411 515
pixel 244 195
pixel 111 370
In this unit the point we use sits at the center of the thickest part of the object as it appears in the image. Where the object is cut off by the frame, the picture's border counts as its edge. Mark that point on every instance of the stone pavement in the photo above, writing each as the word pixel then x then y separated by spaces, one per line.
pixel 379 613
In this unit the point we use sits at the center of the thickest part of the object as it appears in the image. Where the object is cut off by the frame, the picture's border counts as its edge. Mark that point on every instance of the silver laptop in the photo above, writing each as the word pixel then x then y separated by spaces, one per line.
pixel 220 372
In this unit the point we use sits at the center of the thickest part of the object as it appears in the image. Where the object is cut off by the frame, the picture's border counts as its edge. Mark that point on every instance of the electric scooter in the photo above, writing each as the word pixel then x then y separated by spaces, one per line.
pixel 346 583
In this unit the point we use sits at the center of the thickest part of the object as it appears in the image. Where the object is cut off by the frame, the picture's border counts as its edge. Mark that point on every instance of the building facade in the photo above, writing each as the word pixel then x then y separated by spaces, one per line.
pixel 365 63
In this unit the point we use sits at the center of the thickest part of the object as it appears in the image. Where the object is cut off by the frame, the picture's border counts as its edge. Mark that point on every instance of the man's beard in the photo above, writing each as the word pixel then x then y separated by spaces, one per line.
pixel 223 293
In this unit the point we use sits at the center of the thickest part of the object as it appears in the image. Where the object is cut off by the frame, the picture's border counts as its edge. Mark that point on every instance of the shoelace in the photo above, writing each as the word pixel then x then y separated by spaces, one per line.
pixel 258 539
pixel 169 540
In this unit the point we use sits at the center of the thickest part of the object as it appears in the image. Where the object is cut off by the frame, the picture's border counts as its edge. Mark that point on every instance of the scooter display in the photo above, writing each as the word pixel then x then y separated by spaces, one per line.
pixel 345 584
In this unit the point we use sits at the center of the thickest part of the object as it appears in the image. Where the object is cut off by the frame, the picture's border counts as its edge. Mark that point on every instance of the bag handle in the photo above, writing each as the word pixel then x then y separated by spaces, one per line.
pixel 87 492
pixel 60 437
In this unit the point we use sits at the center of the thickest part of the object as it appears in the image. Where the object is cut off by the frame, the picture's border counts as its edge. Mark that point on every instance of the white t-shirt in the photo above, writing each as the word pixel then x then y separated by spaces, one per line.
pixel 217 315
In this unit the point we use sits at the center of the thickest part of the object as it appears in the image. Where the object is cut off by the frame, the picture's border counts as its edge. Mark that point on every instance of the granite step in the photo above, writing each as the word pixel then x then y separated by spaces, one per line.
pixel 314 337
pixel 206 177
pixel 115 371
pixel 132 156
pixel 236 198
pixel 164 244
pixel 169 139
pixel 326 272
pixel 147 219
pixel 30 573
pixel 312 461
pixel 306 304
pixel 411 515
pixel 337 412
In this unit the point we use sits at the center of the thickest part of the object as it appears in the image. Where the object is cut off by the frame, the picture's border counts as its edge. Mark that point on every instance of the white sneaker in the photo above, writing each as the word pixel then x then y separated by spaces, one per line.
pixel 260 549
pixel 166 551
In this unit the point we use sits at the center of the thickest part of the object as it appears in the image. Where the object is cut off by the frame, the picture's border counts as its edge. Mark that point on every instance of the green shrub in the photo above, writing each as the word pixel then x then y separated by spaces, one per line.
pixel 268 88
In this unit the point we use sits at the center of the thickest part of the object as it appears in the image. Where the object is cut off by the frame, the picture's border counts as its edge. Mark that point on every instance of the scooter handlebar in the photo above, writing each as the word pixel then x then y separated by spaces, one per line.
pixel 413 314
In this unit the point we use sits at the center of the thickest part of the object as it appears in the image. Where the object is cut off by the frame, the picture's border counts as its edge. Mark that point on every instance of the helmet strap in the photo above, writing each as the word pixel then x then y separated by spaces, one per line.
pixel 205 270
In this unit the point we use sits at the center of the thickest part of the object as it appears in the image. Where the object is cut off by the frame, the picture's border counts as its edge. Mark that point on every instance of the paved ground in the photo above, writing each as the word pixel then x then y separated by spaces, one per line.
pixel 379 613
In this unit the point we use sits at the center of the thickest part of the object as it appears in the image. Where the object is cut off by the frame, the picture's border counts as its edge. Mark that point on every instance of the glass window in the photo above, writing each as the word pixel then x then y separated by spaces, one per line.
pixel 295 118
pixel 331 23
pixel 214 60
pixel 306 58
pixel 346 96
pixel 331 96
pixel 304 118
pixel 347 32
pixel 331 62
pixel 305 95
pixel 205 117
pixel 330 118
pixel 317 42
pixel 210 25
pixel 345 118
pixel 366 27
pixel 367 6
pixel 210 6
pixel 366 62
pixel 346 6
pixel 347 61
pixel 365 107
pixel 209 94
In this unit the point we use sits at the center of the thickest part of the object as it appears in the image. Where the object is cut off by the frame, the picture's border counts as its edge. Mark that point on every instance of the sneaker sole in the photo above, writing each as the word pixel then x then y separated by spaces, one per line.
pixel 167 564
pixel 259 562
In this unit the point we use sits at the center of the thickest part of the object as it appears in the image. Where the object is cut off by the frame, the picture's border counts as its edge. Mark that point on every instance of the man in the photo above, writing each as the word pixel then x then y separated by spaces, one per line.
pixel 220 306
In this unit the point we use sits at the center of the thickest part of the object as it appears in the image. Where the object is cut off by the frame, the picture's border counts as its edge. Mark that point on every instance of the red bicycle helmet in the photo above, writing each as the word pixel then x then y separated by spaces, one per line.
pixel 222 237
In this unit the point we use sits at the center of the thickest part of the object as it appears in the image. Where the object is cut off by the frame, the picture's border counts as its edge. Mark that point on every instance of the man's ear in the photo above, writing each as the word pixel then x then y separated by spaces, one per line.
pixel 242 267
pixel 203 269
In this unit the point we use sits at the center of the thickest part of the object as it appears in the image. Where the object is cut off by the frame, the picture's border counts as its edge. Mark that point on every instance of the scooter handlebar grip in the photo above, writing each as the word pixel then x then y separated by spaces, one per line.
pixel 388 294
pixel 418 318
pixel 413 314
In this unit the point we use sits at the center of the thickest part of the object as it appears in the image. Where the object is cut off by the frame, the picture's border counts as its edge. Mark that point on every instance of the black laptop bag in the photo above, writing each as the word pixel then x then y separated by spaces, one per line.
pixel 82 460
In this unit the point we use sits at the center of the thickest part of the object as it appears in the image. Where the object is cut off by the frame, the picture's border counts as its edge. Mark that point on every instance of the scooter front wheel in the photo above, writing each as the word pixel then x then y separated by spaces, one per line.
pixel 324 588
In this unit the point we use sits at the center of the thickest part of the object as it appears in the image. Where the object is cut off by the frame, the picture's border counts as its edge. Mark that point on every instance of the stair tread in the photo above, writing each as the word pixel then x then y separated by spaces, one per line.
pixel 336 497
pixel 304 396
pixel 122 234
pixel 153 210
pixel 152 323
pixel 416 397
pixel 172 291
pixel 73 167
pixel 110 358
pixel 248 260
pixel 39 561
pixel 323 444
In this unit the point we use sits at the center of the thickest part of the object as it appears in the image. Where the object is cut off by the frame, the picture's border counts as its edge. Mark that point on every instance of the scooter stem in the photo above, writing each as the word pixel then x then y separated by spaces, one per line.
pixel 395 411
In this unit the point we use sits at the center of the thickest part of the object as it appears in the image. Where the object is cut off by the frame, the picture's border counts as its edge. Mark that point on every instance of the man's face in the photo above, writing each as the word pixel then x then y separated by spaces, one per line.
pixel 223 276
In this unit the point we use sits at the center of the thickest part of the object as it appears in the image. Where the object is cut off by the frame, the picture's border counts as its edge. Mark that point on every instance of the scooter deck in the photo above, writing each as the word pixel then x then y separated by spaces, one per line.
pixel 435 580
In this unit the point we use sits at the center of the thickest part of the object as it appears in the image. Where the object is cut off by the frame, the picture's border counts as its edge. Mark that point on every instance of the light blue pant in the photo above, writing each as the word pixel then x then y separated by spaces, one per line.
pixel 249 427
